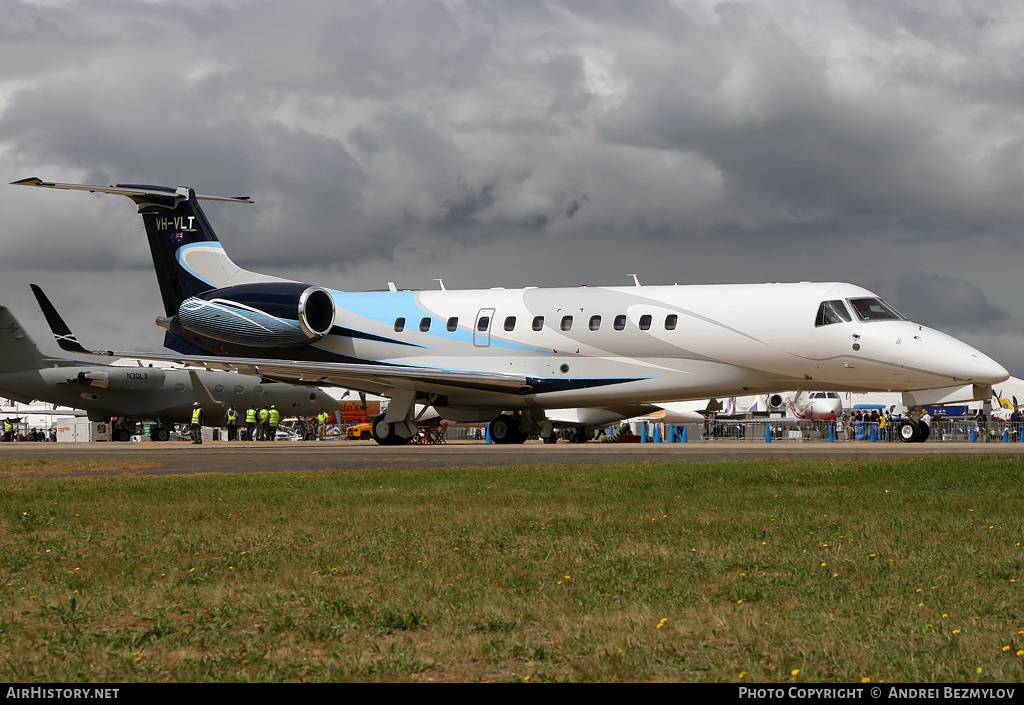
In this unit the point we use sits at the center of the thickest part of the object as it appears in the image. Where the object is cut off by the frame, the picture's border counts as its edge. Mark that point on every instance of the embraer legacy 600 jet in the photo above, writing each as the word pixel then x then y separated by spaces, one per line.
pixel 506 355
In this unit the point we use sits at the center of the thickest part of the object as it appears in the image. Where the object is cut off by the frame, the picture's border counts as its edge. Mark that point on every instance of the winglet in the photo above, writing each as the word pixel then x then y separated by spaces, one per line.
pixel 65 338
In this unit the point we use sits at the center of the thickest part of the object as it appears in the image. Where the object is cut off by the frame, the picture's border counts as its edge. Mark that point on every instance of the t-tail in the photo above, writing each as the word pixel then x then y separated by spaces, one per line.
pixel 210 303
pixel 188 257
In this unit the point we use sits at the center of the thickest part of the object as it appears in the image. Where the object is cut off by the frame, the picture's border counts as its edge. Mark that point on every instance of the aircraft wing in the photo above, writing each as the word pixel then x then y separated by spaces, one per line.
pixel 376 379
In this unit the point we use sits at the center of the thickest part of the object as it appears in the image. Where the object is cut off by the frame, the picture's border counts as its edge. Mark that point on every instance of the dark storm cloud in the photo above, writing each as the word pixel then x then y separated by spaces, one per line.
pixel 960 305
pixel 568 141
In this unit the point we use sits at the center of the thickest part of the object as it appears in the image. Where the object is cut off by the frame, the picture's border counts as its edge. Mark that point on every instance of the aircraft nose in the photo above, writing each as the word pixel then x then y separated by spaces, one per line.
pixel 966 363
pixel 985 370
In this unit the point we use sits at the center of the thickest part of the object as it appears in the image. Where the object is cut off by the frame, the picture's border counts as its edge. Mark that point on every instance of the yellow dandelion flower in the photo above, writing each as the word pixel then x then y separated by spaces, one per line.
pixel 978 669
pixel 824 564
pixel 1006 648
pixel 795 672
pixel 739 602
pixel 865 679
pixel 956 631
pixel 1020 653
pixel 742 673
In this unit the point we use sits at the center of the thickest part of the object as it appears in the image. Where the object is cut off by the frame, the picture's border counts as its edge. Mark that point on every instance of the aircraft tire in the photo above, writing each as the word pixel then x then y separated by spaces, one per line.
pixel 160 434
pixel 910 432
pixel 550 439
pixel 121 435
pixel 502 430
pixel 384 433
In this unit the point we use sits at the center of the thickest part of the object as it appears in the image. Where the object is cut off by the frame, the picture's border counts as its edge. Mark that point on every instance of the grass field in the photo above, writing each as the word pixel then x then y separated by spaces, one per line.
pixel 891 570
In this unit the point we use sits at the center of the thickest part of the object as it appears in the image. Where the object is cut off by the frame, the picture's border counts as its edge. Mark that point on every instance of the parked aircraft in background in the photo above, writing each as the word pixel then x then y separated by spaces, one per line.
pixel 507 356
pixel 136 393
pixel 807 406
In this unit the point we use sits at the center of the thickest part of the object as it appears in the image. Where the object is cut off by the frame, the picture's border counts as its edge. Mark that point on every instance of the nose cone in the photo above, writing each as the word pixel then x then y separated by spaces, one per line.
pixel 955 359
pixel 985 370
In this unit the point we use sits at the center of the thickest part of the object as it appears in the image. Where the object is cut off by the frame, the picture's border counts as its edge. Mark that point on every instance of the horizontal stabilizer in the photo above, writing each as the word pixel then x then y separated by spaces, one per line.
pixel 135 192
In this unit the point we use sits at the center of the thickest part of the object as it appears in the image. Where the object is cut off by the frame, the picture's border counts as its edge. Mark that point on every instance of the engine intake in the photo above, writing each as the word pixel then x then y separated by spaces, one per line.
pixel 269 315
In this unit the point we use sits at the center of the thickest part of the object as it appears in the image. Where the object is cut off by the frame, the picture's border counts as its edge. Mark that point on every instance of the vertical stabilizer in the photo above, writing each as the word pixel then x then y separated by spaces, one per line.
pixel 17 351
pixel 187 255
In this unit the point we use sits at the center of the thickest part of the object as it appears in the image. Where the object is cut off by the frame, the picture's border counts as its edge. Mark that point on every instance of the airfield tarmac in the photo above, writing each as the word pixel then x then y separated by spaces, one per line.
pixel 183 457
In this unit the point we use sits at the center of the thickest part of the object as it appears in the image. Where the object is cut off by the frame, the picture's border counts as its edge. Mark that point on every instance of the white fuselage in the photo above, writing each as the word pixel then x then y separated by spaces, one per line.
pixel 726 340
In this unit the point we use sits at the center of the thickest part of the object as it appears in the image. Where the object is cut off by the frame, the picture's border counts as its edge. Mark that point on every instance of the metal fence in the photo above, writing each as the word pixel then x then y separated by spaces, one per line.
pixel 786 430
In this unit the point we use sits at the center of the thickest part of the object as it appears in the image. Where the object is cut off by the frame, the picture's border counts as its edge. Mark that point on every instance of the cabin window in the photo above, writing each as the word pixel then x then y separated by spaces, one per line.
pixel 483 323
pixel 399 325
pixel 620 322
pixel 566 323
pixel 538 322
pixel 424 324
pixel 670 321
pixel 258 389
pixel 453 324
pixel 595 323
pixel 645 322
pixel 179 387
pixel 832 312
pixel 875 310
pixel 239 389
pixel 218 389
pixel 510 323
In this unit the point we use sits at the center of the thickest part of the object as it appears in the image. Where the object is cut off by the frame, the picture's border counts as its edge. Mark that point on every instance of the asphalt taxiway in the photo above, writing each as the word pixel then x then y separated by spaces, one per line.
pixel 244 456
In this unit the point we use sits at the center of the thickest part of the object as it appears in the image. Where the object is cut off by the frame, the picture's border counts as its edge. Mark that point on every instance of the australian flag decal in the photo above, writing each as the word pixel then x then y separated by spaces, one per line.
pixel 177 238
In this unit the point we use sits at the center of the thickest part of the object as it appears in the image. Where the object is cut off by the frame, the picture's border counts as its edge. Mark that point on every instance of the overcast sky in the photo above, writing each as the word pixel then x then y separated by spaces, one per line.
pixel 524 143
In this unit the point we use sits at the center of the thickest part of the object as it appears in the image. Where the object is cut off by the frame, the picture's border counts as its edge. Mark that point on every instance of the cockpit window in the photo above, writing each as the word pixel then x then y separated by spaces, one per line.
pixel 832 312
pixel 875 310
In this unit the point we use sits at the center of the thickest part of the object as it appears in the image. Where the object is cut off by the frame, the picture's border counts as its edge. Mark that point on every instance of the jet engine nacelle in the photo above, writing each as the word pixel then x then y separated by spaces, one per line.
pixel 269 315
pixel 776 402
pixel 122 378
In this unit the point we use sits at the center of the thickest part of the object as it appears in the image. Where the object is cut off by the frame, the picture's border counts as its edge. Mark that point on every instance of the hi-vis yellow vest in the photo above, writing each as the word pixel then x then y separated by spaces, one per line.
pixel 196 413
pixel 275 417
pixel 250 416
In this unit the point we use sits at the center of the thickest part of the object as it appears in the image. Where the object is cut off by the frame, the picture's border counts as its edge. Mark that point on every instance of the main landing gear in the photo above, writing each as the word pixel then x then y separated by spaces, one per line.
pixel 507 429
pixel 913 431
pixel 391 434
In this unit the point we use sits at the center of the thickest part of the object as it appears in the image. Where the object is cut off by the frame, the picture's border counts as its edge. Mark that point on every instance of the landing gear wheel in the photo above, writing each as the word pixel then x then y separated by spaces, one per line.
pixel 160 434
pixel 550 439
pixel 910 432
pixel 121 435
pixel 385 433
pixel 505 429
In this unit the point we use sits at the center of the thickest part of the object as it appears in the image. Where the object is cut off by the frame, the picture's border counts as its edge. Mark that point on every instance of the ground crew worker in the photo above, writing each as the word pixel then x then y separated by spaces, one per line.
pixel 197 424
pixel 232 415
pixel 8 430
pixel 250 422
pixel 274 420
pixel 322 418
pixel 264 424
